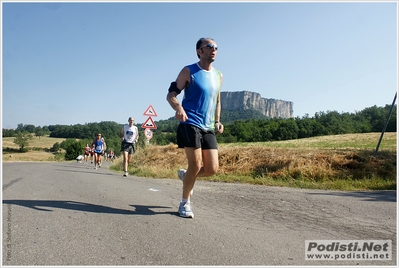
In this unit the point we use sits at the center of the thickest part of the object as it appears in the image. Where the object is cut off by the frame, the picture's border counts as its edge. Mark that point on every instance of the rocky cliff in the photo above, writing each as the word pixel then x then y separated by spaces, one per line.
pixel 245 100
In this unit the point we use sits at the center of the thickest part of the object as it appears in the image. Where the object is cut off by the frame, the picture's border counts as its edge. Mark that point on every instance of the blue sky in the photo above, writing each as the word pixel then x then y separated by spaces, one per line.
pixel 76 63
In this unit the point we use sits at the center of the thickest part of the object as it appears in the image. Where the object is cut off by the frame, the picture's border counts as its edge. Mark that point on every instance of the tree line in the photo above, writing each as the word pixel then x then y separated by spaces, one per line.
pixel 240 126
pixel 323 123
pixel 252 126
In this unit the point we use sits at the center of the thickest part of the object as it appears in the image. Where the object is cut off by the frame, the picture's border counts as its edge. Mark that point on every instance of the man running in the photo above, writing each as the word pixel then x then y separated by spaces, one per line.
pixel 99 148
pixel 199 116
pixel 129 135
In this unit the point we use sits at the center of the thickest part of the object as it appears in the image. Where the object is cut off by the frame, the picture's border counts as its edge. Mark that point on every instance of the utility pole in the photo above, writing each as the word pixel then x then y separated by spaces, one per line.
pixel 385 126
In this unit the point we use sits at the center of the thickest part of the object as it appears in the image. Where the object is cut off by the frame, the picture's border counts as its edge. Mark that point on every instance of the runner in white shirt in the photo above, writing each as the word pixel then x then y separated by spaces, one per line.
pixel 129 135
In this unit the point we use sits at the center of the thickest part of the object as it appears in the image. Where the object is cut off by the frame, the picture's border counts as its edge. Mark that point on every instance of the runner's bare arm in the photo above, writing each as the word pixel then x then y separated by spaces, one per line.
pixel 219 127
pixel 182 81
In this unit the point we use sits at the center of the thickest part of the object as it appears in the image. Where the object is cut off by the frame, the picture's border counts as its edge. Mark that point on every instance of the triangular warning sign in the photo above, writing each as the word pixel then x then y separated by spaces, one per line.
pixel 149 123
pixel 150 111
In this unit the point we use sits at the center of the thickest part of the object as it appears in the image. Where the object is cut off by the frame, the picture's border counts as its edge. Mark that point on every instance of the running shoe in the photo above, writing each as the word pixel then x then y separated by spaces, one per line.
pixel 185 210
pixel 125 174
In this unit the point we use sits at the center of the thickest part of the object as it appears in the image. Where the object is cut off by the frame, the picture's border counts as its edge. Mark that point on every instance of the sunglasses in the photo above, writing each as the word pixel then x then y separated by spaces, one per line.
pixel 210 46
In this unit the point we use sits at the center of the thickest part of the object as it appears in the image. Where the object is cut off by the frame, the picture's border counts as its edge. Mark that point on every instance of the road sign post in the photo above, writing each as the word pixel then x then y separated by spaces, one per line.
pixel 148 134
pixel 149 123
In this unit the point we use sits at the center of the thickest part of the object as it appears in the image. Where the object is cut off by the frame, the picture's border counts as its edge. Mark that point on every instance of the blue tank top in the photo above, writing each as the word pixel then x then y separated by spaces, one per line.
pixel 98 145
pixel 200 97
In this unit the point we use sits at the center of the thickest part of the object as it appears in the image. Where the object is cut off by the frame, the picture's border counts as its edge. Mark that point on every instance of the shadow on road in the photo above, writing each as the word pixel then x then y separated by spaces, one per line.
pixel 92 171
pixel 376 196
pixel 45 205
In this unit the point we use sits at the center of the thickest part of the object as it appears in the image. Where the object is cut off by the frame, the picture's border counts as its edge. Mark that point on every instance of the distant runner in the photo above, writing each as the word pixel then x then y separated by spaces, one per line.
pixel 87 152
pixel 99 148
pixel 129 135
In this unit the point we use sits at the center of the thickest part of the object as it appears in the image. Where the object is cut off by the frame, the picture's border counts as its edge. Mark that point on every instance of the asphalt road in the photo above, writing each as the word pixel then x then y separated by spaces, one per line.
pixel 70 214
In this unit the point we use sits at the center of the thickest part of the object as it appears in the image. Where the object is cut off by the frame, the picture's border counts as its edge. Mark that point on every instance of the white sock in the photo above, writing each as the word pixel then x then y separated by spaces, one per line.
pixel 184 200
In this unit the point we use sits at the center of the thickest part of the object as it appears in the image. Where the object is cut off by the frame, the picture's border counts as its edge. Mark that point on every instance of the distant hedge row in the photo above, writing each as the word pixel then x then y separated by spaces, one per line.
pixel 240 126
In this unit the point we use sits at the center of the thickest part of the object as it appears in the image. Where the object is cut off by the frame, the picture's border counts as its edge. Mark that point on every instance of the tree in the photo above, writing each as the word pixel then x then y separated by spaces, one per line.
pixel 56 147
pixel 22 140
pixel 8 132
pixel 39 132
pixel 20 127
pixel 30 128
pixel 73 149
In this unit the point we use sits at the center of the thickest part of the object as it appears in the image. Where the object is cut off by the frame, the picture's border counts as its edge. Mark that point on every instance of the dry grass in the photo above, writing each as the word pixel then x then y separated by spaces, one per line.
pixel 38 150
pixel 331 162
pixel 310 164
pixel 31 156
pixel 342 162
pixel 363 141
pixel 42 142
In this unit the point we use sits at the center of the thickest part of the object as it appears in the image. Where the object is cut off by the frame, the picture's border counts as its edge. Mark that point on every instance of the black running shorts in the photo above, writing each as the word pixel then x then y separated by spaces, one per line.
pixel 127 147
pixel 194 137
